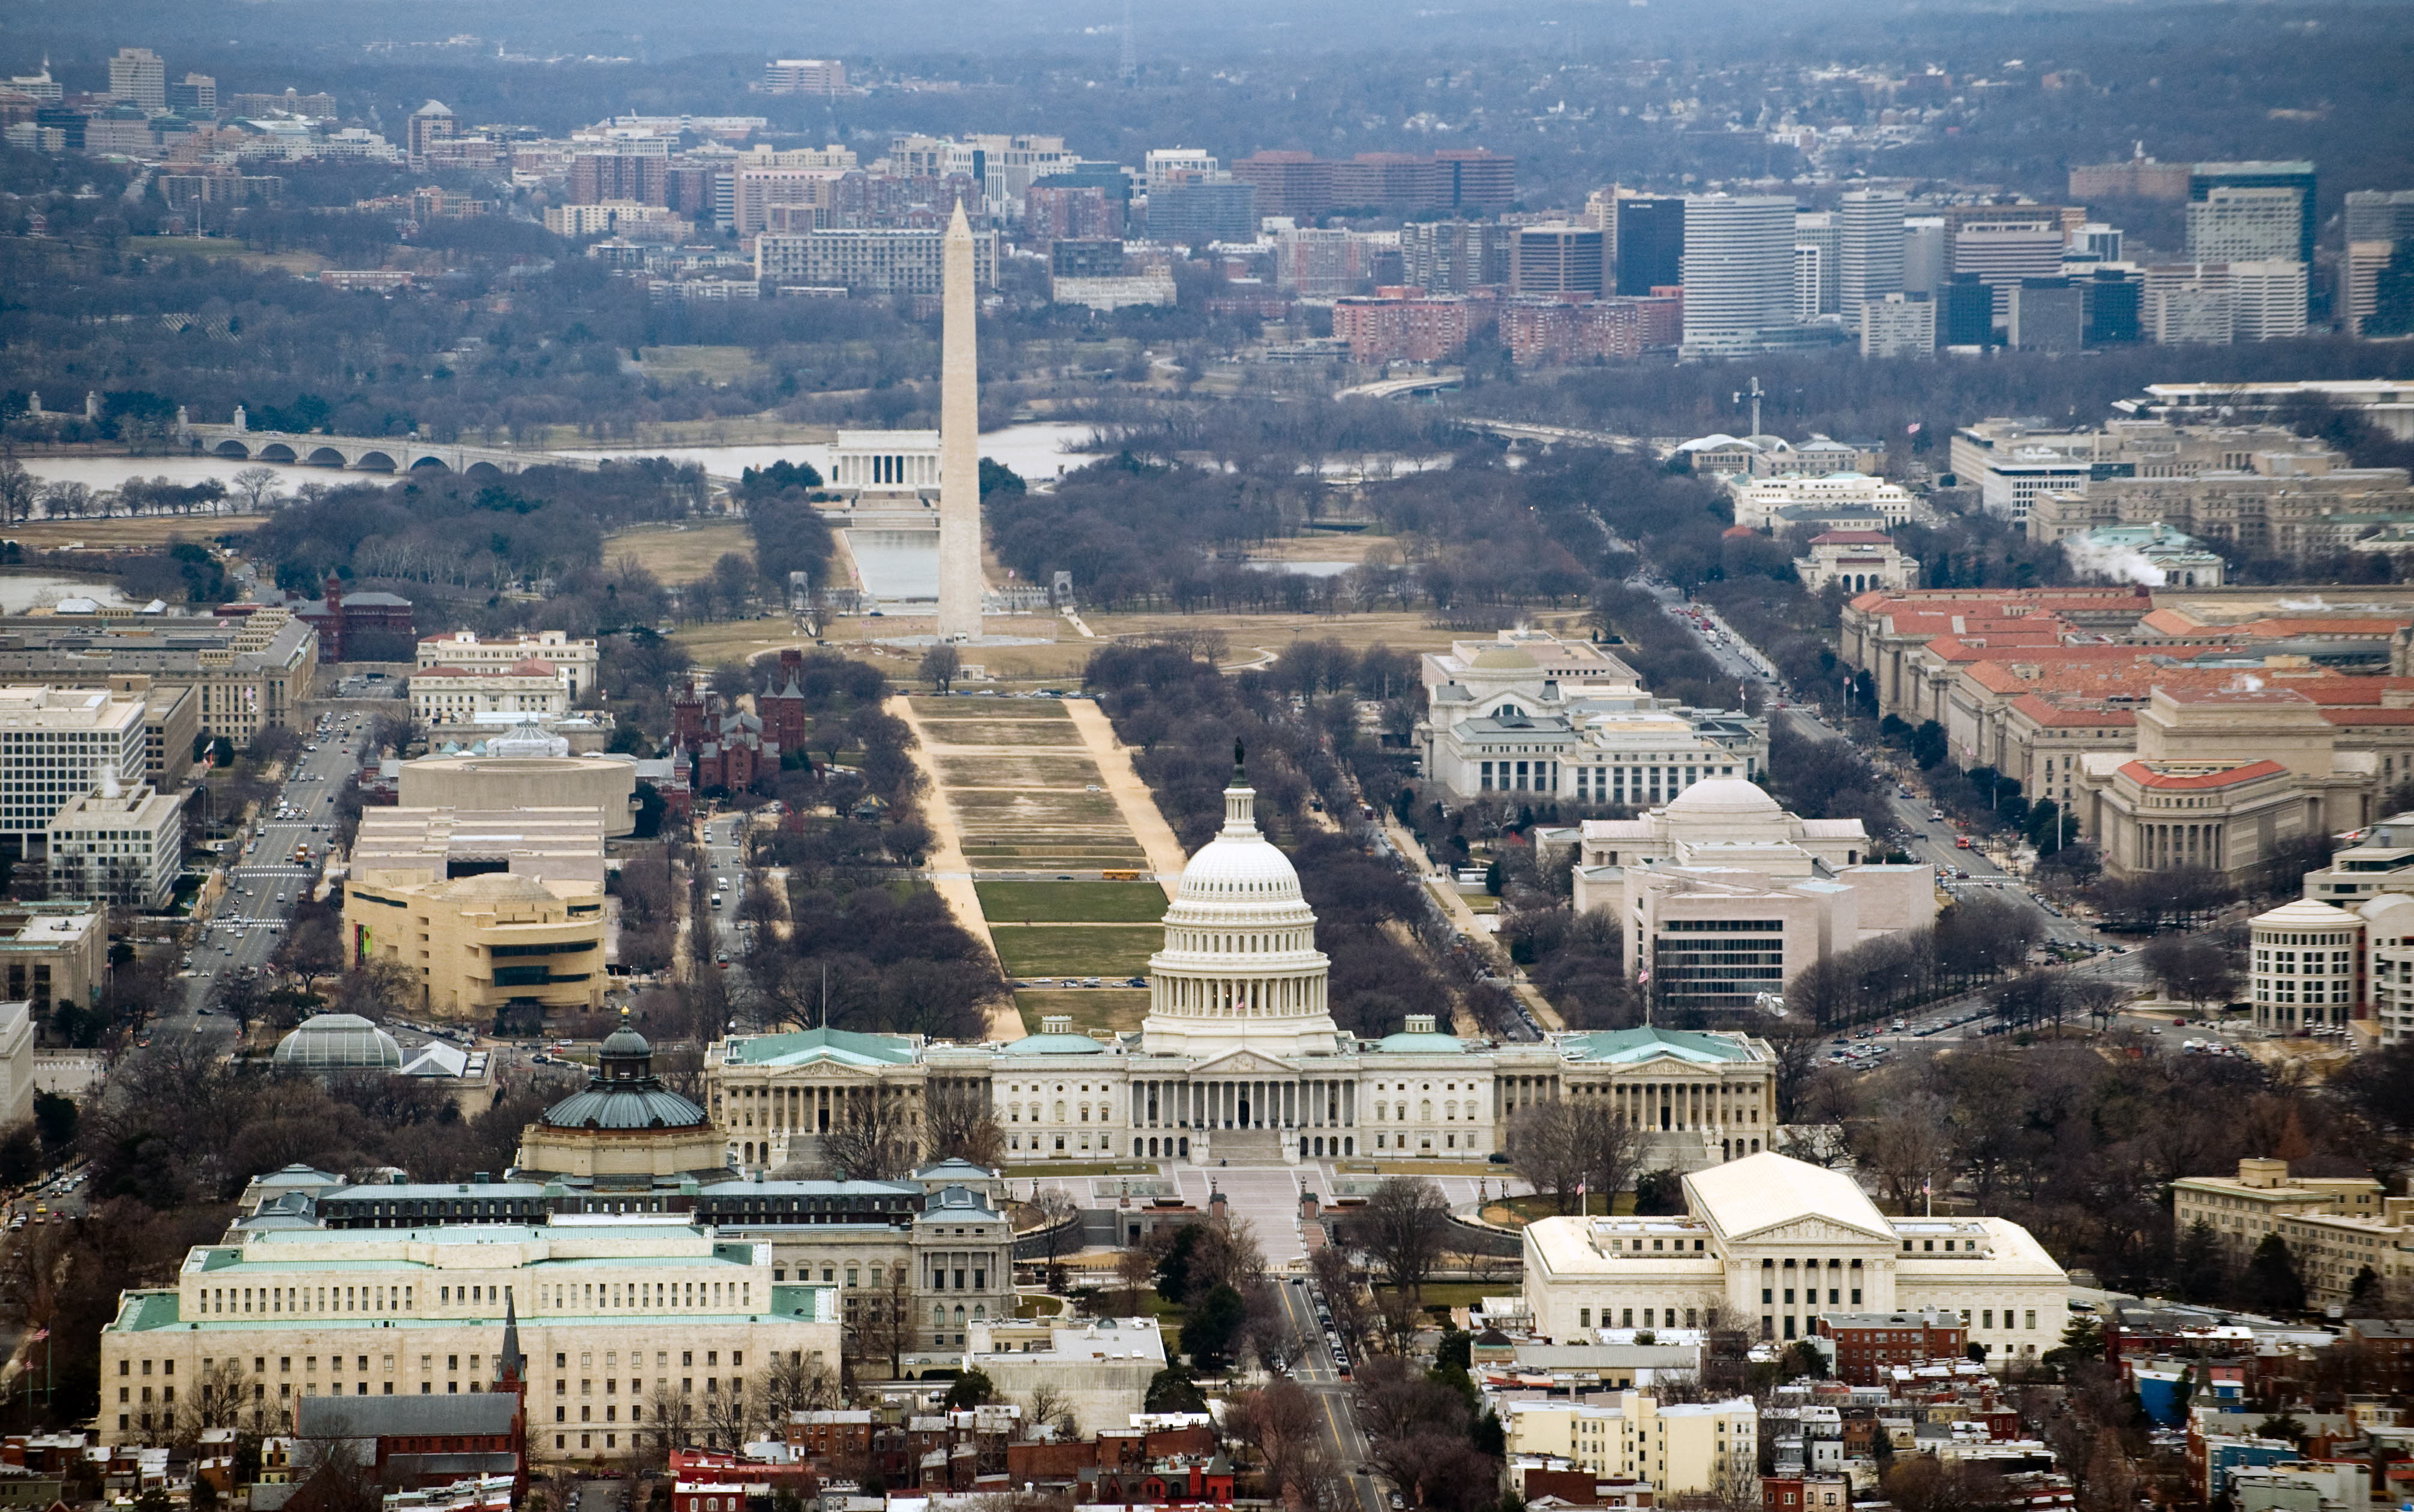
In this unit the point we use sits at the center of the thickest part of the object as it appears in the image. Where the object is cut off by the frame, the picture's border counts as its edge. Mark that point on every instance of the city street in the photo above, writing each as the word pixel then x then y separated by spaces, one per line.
pixel 264 880
pixel 1930 840
pixel 1331 1391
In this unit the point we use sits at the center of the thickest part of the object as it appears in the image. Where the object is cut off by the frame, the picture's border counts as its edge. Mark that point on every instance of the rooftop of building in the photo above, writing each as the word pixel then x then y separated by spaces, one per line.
pixel 2146 776
pixel 1632 1046
pixel 66 709
pixel 812 1047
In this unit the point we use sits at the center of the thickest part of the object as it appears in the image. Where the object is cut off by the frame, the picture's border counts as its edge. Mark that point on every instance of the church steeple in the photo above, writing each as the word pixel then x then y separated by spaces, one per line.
pixel 511 1365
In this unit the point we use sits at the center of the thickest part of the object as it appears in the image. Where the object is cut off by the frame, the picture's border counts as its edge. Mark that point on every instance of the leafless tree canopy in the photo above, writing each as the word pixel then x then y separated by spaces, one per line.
pixel 1559 1146
pixel 876 1141
pixel 1403 1228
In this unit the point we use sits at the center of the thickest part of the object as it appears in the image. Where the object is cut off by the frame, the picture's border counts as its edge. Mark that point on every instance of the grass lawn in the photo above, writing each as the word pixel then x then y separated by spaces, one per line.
pixel 990 708
pixel 1048 734
pixel 1038 1307
pixel 740 639
pixel 1097 1012
pixel 1075 902
pixel 219 248
pixel 1051 810
pixel 1099 949
pixel 717 365
pixel 1015 769
pixel 126 531
pixel 681 552
pixel 1519 1211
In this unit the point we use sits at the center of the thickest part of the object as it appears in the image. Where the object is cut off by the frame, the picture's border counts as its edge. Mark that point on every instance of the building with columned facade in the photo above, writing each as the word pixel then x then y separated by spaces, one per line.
pixel 1769 1244
pixel 1239 1061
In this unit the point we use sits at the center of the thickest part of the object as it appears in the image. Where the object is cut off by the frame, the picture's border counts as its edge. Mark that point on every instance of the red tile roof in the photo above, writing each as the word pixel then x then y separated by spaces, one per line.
pixel 2146 777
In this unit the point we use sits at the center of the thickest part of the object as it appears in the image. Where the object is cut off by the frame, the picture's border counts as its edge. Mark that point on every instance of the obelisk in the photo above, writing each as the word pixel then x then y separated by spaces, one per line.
pixel 960 519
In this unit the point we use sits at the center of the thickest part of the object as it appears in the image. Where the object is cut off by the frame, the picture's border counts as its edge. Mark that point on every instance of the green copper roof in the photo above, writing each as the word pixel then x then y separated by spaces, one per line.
pixel 1055 1045
pixel 1632 1047
pixel 1406 1044
pixel 149 1309
pixel 808 1046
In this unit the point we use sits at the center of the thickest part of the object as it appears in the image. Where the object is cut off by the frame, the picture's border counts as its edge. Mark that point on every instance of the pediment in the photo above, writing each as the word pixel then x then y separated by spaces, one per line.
pixel 1815 1231
pixel 1241 1064
pixel 1668 1065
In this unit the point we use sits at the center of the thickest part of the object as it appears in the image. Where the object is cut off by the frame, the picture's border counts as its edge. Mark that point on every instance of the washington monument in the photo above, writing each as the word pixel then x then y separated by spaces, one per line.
pixel 960 515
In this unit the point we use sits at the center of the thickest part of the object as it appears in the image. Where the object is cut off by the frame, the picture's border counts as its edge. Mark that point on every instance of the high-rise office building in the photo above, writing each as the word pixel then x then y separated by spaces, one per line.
pixel 1820 230
pixel 1650 239
pixel 196 94
pixel 2046 315
pixel 2266 299
pixel 1965 313
pixel 432 122
pixel 140 75
pixel 1899 325
pixel 2241 225
pixel 1738 270
pixel 2096 241
pixel 1557 260
pixel 1808 261
pixel 2380 215
pixel 2001 252
pixel 1868 249
pixel 1924 265
pixel 2112 298
pixel 2206 177
pixel 2189 302
pixel 1196 212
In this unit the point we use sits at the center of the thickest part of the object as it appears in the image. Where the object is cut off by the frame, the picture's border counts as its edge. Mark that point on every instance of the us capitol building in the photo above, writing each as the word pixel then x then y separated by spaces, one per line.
pixel 1239 1061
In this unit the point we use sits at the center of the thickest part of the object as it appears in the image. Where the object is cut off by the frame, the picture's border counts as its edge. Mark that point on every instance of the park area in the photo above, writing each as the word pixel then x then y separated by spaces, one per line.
pixel 1066 889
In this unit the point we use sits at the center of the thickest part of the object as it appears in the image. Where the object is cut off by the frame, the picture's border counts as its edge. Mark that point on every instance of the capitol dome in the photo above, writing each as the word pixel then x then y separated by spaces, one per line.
pixel 1724 798
pixel 338 1042
pixel 1239 966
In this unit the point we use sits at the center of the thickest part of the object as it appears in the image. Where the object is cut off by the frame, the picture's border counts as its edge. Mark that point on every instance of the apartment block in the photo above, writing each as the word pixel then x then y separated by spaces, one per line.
pixel 140 77
pixel 1403 327
pixel 804 76
pixel 869 262
pixel 1899 325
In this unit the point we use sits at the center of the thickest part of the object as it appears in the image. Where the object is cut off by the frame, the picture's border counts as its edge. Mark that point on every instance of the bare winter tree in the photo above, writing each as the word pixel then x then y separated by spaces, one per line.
pixel 1403 1229
pixel 876 1142
pixel 962 1127
pixel 672 1423
pixel 1559 1146
pixel 1337 1280
pixel 1051 1213
pixel 792 1384
pixel 884 1327
pixel 1048 1406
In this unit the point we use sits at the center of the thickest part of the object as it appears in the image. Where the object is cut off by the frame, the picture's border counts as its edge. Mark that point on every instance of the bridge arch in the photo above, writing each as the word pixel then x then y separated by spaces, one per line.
pixel 374 462
pixel 277 451
pixel 233 449
pixel 482 469
pixel 327 456
pixel 431 463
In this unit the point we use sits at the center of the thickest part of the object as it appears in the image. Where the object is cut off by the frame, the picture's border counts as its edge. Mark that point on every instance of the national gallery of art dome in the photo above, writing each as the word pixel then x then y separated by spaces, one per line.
pixel 1239 1061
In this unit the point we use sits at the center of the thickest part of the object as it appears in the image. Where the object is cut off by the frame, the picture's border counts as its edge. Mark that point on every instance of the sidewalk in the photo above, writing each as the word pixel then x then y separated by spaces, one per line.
pixel 1133 800
pixel 1462 918
pixel 951 873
